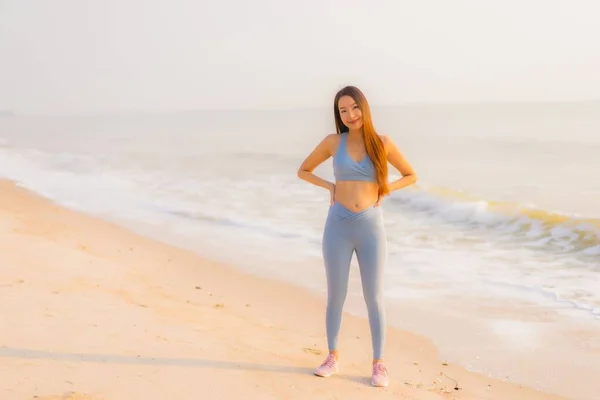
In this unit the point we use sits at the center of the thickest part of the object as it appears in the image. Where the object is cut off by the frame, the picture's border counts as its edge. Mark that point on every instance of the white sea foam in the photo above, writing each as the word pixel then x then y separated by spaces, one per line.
pixel 472 247
pixel 564 233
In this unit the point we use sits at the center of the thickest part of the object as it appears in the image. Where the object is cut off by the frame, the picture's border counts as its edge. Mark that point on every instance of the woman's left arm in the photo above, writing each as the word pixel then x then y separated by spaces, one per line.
pixel 397 159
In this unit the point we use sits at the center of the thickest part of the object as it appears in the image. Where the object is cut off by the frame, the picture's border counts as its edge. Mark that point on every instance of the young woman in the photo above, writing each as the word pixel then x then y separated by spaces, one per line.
pixel 354 221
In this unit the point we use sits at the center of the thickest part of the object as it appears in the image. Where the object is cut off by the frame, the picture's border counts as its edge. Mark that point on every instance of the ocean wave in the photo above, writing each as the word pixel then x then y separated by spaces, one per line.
pixel 571 298
pixel 535 227
pixel 173 199
pixel 253 226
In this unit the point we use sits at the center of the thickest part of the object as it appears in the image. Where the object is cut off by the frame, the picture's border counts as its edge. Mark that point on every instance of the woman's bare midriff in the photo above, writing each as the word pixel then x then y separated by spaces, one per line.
pixel 356 196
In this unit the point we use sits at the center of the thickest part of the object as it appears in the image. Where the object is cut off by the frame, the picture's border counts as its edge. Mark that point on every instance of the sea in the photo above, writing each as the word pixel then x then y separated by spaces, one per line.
pixel 494 254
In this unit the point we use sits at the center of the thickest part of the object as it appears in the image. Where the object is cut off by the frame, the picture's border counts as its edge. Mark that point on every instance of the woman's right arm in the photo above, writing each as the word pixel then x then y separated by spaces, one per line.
pixel 321 153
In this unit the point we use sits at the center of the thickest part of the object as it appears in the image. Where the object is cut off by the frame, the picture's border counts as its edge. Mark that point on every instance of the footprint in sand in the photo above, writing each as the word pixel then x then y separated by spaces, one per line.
pixel 312 351
pixel 67 396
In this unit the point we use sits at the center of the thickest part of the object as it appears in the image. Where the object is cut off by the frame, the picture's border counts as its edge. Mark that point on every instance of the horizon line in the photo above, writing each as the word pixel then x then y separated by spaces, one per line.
pixel 10 113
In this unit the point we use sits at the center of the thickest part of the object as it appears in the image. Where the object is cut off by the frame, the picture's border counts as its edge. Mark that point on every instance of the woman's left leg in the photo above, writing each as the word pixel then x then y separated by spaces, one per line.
pixel 371 253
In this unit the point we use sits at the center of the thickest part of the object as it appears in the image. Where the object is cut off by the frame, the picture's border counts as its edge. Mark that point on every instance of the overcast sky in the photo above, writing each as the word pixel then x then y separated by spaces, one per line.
pixel 81 55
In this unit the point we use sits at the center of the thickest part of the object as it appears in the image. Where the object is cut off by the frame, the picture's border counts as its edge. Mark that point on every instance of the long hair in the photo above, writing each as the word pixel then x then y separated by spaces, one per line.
pixel 373 143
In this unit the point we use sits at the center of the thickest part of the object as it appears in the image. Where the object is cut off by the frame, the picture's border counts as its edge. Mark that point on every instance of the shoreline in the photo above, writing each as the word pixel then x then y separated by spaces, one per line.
pixel 100 311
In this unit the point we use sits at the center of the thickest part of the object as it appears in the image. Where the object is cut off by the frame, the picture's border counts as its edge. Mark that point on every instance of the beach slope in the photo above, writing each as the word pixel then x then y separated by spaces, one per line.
pixel 93 311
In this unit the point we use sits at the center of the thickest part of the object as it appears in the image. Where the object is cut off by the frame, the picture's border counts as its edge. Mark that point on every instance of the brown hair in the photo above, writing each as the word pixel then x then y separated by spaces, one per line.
pixel 373 143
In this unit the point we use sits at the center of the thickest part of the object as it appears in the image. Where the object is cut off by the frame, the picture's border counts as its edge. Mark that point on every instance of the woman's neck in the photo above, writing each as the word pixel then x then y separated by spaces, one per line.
pixel 355 133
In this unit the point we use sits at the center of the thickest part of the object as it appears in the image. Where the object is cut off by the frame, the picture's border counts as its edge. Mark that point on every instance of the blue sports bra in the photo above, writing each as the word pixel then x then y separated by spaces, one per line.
pixel 346 169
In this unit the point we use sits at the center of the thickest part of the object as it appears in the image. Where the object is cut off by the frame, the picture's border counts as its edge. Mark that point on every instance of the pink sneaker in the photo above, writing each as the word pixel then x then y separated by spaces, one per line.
pixel 328 368
pixel 380 376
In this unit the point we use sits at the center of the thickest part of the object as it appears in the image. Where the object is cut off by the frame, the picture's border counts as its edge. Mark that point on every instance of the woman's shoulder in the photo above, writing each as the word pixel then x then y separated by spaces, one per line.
pixel 388 142
pixel 329 143
pixel 332 139
pixel 386 139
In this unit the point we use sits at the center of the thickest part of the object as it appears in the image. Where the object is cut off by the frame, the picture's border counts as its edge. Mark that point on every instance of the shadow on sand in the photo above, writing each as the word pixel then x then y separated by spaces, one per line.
pixel 31 354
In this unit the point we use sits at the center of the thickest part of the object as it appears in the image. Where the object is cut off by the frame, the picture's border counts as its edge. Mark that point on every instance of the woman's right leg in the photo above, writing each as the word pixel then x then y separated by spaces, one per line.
pixel 337 254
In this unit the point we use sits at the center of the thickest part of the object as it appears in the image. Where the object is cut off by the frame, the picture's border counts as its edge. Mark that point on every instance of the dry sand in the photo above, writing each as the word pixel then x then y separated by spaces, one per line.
pixel 93 311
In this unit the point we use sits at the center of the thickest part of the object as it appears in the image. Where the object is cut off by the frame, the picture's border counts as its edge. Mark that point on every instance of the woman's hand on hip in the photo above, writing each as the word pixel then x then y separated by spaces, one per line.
pixel 332 192
pixel 379 201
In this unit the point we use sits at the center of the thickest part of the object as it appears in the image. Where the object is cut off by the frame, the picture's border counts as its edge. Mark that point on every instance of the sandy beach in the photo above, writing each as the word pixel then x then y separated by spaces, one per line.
pixel 91 310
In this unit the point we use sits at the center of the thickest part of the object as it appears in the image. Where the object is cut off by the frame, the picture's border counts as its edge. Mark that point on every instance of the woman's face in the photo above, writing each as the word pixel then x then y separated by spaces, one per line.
pixel 350 113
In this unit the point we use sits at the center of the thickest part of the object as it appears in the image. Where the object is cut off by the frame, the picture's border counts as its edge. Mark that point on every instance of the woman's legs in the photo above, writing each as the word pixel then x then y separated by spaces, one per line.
pixel 346 232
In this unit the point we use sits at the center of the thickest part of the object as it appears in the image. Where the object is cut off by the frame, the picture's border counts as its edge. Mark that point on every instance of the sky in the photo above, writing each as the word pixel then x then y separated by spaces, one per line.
pixel 70 56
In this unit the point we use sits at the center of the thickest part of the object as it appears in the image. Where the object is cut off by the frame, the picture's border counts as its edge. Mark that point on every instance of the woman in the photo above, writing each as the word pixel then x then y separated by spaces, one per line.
pixel 354 221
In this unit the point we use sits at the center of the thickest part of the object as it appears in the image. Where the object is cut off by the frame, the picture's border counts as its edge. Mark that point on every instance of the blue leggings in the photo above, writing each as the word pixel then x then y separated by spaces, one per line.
pixel 346 232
